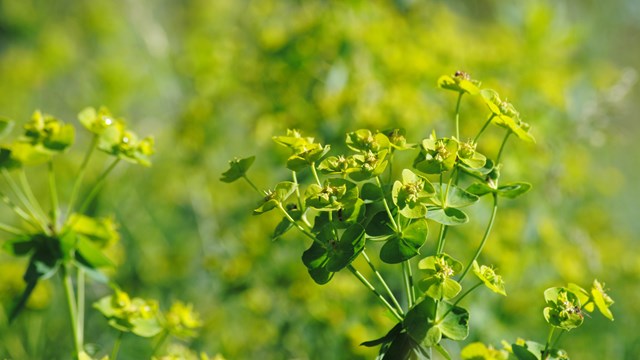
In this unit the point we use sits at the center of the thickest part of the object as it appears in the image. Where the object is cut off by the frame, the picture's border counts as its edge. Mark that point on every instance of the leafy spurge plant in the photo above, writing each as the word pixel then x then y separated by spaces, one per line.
pixel 67 240
pixel 360 200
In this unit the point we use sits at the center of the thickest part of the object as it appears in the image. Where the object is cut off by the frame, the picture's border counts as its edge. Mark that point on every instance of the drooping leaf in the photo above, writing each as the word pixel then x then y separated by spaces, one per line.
pixel 455 197
pixel 448 216
pixel 513 190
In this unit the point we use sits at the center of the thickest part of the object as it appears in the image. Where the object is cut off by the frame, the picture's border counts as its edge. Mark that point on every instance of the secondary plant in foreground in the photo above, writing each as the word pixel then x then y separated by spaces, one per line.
pixel 359 198
pixel 58 234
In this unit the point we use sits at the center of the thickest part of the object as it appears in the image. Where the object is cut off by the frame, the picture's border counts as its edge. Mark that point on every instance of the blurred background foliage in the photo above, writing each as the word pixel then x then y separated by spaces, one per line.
pixel 216 79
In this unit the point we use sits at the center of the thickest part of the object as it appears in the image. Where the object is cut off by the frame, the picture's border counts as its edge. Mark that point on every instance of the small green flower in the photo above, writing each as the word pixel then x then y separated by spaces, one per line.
pixel 506 116
pixel 119 141
pixel 412 194
pixel 437 155
pixel 304 150
pixel 489 277
pixel 274 197
pixel 237 169
pixel 563 308
pixel 397 139
pixel 369 164
pixel 334 165
pixel 439 283
pixel 601 299
pixel 293 140
pixel 182 321
pixel 468 155
pixel 460 82
pixel 364 140
pixel 135 315
pixel 97 121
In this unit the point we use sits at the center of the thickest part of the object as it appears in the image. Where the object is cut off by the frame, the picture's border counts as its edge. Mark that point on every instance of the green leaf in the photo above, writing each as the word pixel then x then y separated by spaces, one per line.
pixel 386 338
pixel 370 192
pixel 513 190
pixel 420 318
pixel 455 198
pixel 92 253
pixel 455 325
pixel 315 259
pixel 434 335
pixel 480 189
pixel 237 169
pixel 406 245
pixel 449 216
pixel 20 246
pixel 348 248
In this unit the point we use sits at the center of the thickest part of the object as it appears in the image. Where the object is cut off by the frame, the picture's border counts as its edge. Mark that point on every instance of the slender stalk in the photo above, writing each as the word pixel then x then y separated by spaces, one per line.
pixel 98 186
pixel 80 284
pixel 504 142
pixel 555 342
pixel 386 206
pixel 24 182
pixel 366 283
pixel 251 183
pixel 21 213
pixel 545 353
pixel 32 214
pixel 81 172
pixel 68 290
pixel 303 230
pixel 161 339
pixel 53 193
pixel 384 283
pixel 295 181
pixel 408 282
pixel 460 299
pixel 315 174
pixel 458 115
pixel 484 237
pixel 441 239
pixel 10 229
pixel 475 140
pixel 116 346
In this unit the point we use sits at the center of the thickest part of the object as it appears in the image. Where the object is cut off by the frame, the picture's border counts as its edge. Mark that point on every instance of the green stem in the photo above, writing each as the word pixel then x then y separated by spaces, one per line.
pixel 366 283
pixel 24 182
pixel 384 283
pixel 80 284
pixel 555 342
pixel 486 124
pixel 386 206
pixel 315 174
pixel 21 213
pixel 460 299
pixel 252 184
pixel 484 237
pixel 98 186
pixel 408 282
pixel 32 215
pixel 54 197
pixel 458 115
pixel 81 172
pixel 163 337
pixel 545 355
pixel 295 181
pixel 10 229
pixel 441 239
pixel 116 346
pixel 303 230
pixel 504 142
pixel 68 290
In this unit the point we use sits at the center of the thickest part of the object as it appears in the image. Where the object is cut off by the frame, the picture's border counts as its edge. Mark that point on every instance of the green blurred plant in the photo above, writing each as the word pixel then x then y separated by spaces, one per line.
pixel 357 202
pixel 68 240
